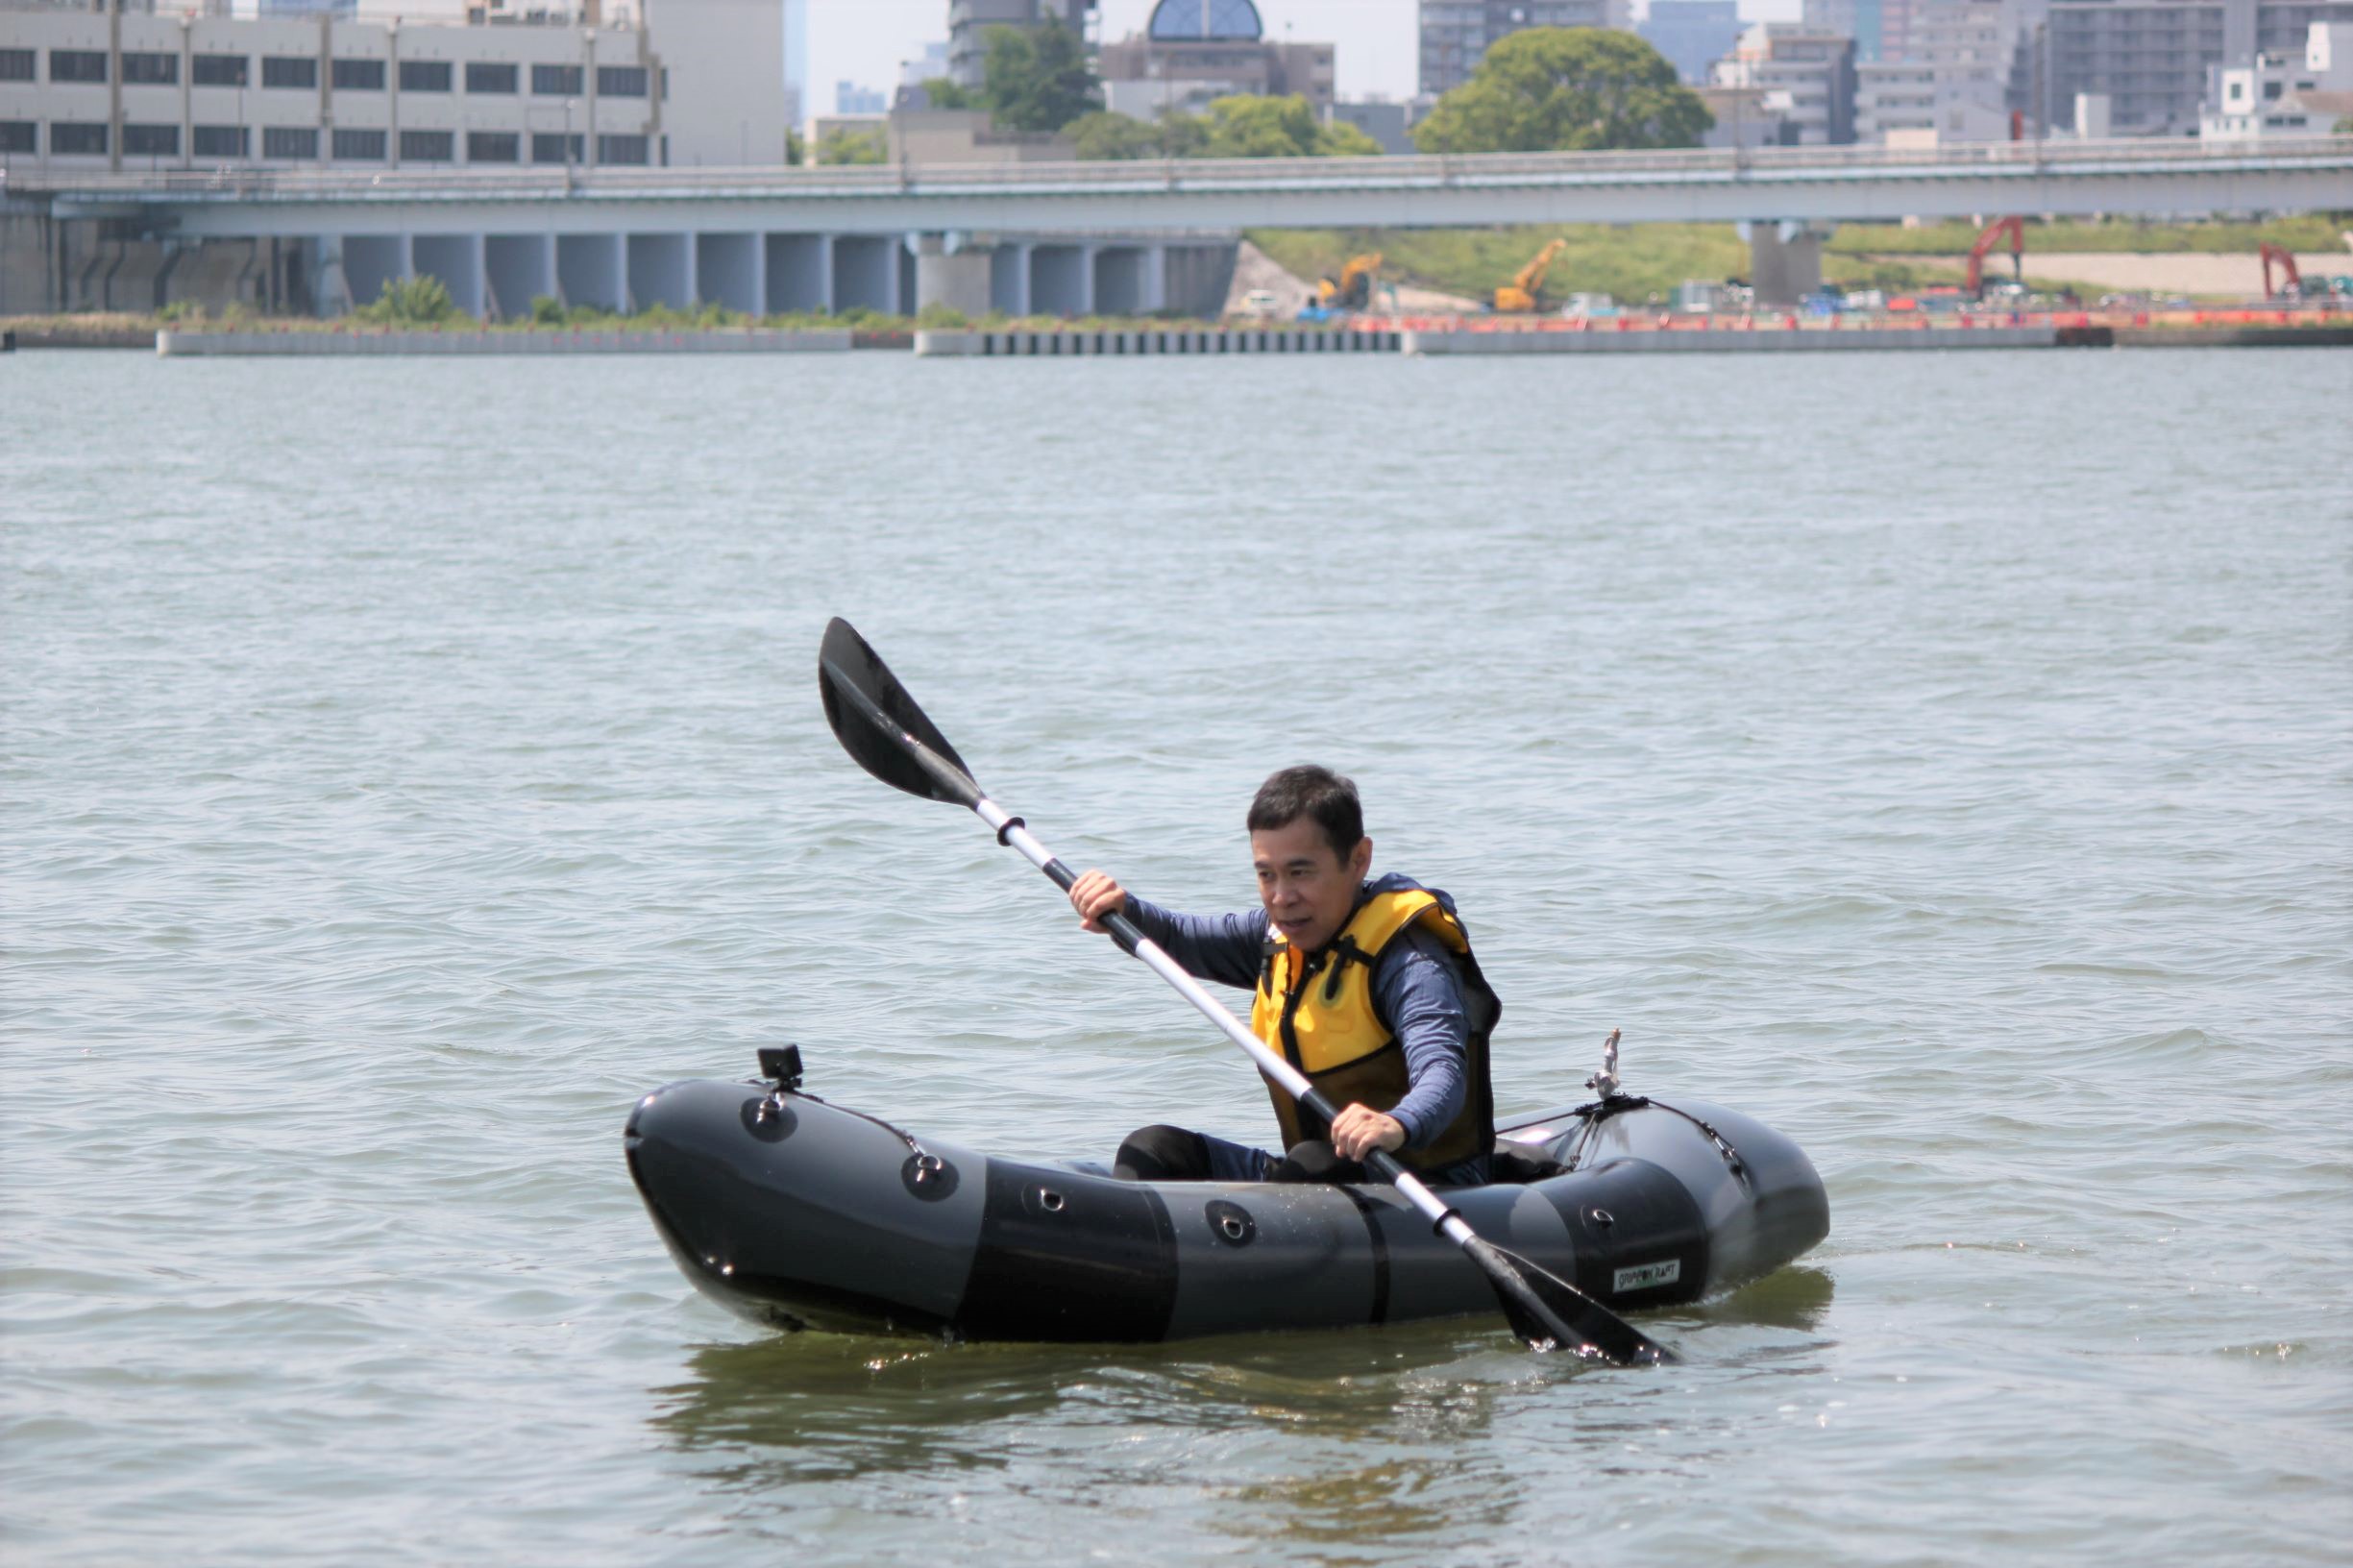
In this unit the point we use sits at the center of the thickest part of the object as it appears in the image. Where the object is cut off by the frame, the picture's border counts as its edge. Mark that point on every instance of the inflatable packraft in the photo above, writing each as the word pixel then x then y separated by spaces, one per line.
pixel 797 1212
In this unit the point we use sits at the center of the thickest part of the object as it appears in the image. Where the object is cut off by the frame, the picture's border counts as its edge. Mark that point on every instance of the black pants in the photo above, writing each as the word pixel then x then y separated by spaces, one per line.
pixel 1177 1154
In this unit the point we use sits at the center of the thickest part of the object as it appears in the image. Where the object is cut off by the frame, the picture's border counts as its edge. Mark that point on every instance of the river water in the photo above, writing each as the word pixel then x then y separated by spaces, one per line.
pixel 410 763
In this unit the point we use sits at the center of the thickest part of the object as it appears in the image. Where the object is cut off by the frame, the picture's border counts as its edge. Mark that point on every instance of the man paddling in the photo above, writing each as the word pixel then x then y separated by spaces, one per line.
pixel 1368 986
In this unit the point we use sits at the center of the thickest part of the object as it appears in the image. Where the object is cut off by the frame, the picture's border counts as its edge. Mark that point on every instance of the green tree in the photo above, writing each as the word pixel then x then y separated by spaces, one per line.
pixel 946 92
pixel 845 146
pixel 1104 134
pixel 795 150
pixel 1341 139
pixel 1036 78
pixel 1245 127
pixel 1566 88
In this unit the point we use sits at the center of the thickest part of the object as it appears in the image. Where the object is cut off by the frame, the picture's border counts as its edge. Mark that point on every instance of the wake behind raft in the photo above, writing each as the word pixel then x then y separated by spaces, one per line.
pixel 799 1213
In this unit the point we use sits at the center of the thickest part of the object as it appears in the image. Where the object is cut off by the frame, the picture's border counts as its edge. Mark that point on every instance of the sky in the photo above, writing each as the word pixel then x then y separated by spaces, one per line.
pixel 865 40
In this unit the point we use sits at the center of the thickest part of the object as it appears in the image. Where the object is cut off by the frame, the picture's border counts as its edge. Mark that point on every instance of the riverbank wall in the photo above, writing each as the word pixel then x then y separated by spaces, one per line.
pixel 172 344
pixel 1010 344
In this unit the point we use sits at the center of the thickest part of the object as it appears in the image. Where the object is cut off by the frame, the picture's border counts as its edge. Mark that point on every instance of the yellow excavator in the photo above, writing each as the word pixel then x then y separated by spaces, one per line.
pixel 1520 296
pixel 1352 288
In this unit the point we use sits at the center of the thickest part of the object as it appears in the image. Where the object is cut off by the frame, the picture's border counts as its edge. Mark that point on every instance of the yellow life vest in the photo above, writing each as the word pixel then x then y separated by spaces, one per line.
pixel 1318 1009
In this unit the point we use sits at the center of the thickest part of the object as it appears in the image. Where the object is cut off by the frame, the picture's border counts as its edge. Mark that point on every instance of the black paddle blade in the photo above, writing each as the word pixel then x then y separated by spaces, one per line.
pixel 1549 1314
pixel 879 724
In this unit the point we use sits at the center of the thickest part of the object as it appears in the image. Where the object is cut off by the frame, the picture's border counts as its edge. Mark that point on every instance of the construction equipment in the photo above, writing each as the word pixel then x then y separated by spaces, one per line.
pixel 2292 282
pixel 1519 296
pixel 2016 229
pixel 1352 288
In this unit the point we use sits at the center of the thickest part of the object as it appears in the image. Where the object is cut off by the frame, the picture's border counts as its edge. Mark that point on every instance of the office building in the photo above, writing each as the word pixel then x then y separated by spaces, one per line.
pixel 1455 34
pixel 1807 77
pixel 1963 69
pixel 969 22
pixel 1692 34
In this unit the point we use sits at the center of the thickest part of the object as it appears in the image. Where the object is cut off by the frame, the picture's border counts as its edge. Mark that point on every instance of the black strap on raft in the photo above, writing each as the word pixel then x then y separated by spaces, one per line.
pixel 1602 1110
pixel 901 1132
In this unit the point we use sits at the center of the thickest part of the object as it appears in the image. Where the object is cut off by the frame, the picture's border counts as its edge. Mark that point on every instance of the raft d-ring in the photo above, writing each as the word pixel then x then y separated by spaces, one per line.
pixel 1231 1222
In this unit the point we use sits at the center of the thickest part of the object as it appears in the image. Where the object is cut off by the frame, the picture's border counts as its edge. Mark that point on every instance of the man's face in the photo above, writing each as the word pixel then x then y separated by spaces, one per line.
pixel 1307 888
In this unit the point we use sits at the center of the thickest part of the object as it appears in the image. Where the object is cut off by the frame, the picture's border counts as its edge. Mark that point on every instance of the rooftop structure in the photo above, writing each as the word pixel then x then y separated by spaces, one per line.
pixel 1193 51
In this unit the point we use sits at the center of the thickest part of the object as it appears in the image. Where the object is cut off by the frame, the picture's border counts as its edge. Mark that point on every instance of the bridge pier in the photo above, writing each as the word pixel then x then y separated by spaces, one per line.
pixel 956 271
pixel 1062 281
pixel 661 270
pixel 1784 261
pixel 520 268
pixel 370 262
pixel 799 272
pixel 1009 278
pixel 866 273
pixel 1120 284
pixel 456 259
pixel 591 270
pixel 728 272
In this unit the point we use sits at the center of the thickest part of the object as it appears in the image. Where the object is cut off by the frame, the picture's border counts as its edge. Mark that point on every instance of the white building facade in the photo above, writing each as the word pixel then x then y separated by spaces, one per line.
pixel 81 89
pixel 2282 95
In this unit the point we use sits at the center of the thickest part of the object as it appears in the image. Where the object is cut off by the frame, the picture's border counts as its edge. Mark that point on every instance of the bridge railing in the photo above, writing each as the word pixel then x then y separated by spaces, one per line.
pixel 247 182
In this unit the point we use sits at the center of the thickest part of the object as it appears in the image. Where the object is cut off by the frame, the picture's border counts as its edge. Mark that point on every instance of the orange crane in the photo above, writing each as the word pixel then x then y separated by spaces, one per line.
pixel 1986 241
pixel 1519 296
pixel 2292 280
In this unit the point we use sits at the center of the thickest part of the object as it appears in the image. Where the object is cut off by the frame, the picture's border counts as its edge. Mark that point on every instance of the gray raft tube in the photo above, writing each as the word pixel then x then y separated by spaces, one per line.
pixel 798 1213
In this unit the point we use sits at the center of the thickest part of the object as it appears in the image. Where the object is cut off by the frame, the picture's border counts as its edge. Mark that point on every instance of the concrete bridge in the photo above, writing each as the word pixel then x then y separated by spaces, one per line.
pixel 1080 238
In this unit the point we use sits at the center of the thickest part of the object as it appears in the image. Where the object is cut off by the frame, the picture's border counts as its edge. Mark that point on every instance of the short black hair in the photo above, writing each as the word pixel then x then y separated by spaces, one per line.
pixel 1309 790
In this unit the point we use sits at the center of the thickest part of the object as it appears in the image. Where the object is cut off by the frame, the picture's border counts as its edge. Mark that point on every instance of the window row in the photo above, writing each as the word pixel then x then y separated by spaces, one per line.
pixel 143 68
pixel 299 144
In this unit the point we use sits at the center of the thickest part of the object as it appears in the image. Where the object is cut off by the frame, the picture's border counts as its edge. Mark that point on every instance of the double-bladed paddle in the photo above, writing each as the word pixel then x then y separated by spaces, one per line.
pixel 879 724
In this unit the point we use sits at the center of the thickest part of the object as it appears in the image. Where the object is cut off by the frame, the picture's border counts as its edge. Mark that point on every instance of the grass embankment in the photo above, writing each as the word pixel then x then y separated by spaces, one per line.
pixel 1636 261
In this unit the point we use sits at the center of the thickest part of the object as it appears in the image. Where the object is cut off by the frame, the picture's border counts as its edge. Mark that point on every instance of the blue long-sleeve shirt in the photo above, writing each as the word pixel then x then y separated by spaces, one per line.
pixel 1415 992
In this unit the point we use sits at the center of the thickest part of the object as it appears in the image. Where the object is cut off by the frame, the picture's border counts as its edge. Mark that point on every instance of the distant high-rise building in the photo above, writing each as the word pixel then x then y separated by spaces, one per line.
pixel 1458 34
pixel 2151 58
pixel 796 60
pixel 969 22
pixel 929 63
pixel 849 98
pixel 1692 34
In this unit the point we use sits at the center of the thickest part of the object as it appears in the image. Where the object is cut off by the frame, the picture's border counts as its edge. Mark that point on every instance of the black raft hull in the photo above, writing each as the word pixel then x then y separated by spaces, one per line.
pixel 798 1213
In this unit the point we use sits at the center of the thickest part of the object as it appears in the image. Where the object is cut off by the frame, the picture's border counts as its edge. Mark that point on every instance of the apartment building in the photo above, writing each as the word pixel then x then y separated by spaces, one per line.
pixel 143 90
pixel 1455 34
